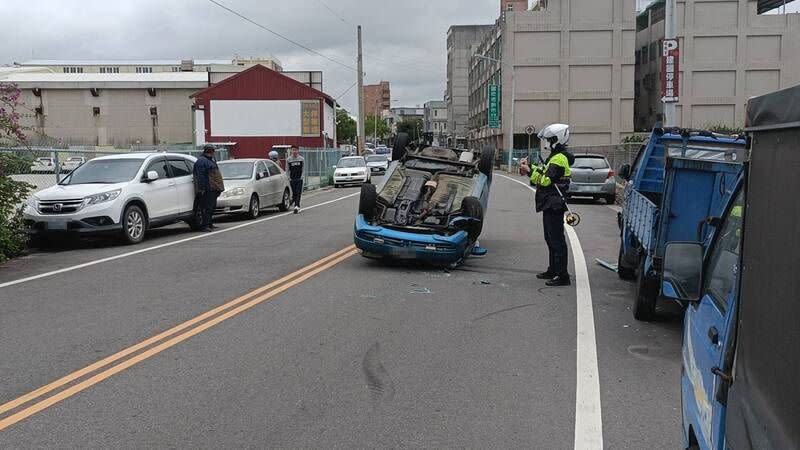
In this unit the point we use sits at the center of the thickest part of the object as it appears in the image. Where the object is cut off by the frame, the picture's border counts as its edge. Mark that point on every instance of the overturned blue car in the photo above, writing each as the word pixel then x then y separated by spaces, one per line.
pixel 429 207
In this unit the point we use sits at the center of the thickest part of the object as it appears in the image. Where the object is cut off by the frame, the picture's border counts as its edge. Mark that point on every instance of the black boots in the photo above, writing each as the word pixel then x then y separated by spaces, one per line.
pixel 560 280
pixel 546 275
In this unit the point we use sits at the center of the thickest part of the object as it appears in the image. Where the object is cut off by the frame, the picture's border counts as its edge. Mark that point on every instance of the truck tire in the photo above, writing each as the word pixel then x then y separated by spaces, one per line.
pixel 625 273
pixel 401 142
pixel 367 201
pixel 471 207
pixel 487 161
pixel 644 304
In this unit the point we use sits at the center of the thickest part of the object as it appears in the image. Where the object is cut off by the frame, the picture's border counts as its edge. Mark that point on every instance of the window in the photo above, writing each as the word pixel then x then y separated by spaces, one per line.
pixel 638 57
pixel 109 70
pixel 160 166
pixel 590 162
pixel 73 69
pixel 261 169
pixel 180 168
pixel 435 113
pixel 310 118
pixel 644 54
pixel 653 51
pixel 176 69
pixel 144 70
pixel 723 262
pixel 273 169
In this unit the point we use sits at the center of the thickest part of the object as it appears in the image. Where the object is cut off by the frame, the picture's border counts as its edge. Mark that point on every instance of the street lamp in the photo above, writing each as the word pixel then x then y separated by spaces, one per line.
pixel 513 104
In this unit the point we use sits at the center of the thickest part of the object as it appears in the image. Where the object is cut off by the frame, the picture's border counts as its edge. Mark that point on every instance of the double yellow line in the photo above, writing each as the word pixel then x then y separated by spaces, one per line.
pixel 160 342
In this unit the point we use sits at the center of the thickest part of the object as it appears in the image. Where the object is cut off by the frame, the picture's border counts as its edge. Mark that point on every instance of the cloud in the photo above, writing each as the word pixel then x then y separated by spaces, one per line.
pixel 404 42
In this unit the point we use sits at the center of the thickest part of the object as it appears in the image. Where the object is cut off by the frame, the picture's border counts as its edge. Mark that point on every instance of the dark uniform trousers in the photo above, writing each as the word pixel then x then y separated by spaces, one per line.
pixel 553 221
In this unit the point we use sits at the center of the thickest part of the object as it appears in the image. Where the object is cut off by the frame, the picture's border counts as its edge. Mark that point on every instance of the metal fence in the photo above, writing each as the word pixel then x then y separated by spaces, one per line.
pixel 319 165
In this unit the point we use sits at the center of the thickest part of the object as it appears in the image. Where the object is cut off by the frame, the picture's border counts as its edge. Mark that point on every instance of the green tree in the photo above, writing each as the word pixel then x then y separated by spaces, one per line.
pixel 12 193
pixel 373 127
pixel 414 128
pixel 345 127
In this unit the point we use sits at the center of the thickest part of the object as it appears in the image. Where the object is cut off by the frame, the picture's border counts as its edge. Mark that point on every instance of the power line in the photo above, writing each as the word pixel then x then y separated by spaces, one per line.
pixel 346 91
pixel 311 50
pixel 345 21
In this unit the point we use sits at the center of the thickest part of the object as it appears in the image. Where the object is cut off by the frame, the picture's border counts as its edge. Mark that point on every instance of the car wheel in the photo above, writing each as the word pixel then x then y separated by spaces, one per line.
pixel 644 303
pixel 134 224
pixel 367 202
pixel 399 148
pixel 487 161
pixel 471 207
pixel 255 207
pixel 624 272
pixel 287 197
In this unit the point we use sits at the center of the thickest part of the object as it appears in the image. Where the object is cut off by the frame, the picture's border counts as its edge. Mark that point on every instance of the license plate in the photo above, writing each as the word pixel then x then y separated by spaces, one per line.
pixel 348 178
pixel 57 226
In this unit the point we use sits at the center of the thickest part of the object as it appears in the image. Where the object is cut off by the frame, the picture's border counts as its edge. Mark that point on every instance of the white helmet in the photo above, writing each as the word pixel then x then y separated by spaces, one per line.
pixel 273 155
pixel 554 134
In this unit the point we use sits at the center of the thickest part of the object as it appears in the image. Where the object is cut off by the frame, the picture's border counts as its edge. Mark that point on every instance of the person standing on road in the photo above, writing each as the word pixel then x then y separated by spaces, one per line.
pixel 549 178
pixel 294 165
pixel 208 185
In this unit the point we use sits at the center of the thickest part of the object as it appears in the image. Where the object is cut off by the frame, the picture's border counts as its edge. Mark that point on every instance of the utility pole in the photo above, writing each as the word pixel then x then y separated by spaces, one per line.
pixel 361 143
pixel 670 32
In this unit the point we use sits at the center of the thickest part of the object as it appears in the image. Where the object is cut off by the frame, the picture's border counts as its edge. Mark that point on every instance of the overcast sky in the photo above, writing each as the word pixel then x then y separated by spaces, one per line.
pixel 404 41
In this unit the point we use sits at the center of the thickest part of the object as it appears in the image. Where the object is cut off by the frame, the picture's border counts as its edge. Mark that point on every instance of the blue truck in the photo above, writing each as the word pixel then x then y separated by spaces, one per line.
pixel 740 356
pixel 680 178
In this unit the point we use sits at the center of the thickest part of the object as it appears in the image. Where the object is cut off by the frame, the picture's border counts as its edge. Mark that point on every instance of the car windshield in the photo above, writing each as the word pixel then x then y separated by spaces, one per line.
pixel 590 163
pixel 372 159
pixel 236 170
pixel 351 162
pixel 104 171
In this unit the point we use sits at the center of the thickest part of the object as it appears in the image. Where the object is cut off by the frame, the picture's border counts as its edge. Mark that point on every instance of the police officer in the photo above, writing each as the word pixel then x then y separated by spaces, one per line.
pixel 554 172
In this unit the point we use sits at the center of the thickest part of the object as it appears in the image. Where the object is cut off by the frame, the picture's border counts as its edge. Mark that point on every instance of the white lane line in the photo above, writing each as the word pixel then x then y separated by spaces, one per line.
pixel 615 208
pixel 167 244
pixel 588 415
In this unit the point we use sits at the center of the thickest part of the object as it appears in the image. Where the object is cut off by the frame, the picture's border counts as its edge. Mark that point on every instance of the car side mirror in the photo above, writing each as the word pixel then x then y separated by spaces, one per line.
pixel 151 176
pixel 333 167
pixel 625 172
pixel 683 271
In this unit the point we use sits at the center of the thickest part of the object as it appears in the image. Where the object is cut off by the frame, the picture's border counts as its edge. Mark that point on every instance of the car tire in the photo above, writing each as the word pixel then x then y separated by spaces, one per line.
pixel 644 303
pixel 368 201
pixel 400 145
pixel 287 198
pixel 486 164
pixel 134 225
pixel 254 209
pixel 471 207
pixel 624 272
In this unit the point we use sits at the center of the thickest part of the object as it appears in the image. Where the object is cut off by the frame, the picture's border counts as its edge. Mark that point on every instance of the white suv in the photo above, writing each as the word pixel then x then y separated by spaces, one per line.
pixel 126 194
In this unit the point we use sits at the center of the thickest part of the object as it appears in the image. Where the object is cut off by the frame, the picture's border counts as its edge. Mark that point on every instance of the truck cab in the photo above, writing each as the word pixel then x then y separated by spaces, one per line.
pixel 680 179
pixel 740 360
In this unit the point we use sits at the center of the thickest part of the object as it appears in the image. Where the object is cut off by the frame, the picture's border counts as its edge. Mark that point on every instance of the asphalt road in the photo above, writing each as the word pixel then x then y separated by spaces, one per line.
pixel 348 353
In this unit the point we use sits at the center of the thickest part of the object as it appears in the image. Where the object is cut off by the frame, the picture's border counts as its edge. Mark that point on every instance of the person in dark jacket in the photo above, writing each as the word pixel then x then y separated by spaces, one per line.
pixel 208 186
pixel 295 165
pixel 548 179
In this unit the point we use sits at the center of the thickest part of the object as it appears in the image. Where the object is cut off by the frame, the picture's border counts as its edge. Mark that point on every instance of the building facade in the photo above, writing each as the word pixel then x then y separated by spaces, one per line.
pixel 152 65
pixel 377 98
pixel 435 118
pixel 461 43
pixel 728 53
pixel 572 62
pixel 102 109
pixel 259 108
pixel 393 116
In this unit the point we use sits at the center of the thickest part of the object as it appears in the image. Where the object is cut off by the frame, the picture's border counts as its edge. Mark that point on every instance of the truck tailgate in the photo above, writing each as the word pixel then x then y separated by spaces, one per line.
pixel 640 215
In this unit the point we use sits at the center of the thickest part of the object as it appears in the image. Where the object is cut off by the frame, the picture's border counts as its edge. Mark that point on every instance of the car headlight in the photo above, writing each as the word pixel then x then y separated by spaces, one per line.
pixel 233 192
pixel 33 202
pixel 102 198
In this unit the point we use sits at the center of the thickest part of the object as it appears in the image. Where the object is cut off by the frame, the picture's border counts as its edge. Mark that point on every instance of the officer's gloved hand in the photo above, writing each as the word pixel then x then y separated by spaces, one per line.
pixel 536 174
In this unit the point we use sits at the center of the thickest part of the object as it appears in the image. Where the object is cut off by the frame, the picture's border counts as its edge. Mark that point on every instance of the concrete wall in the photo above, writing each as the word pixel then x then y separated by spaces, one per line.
pixel 124 117
pixel 728 54
pixel 573 64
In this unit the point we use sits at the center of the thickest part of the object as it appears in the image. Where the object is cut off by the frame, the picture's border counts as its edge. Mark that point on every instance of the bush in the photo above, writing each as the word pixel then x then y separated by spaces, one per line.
pixel 13 164
pixel 635 138
pixel 724 129
pixel 13 238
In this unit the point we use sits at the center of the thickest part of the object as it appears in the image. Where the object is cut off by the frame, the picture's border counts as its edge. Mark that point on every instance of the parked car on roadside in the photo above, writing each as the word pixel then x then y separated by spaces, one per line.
pixel 429 207
pixel 593 177
pixel 351 170
pixel 122 194
pixel 43 165
pixel 384 151
pixel 377 164
pixel 72 163
pixel 252 185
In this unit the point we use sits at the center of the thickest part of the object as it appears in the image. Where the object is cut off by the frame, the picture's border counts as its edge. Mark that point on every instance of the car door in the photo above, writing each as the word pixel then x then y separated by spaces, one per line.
pixel 161 195
pixel 181 171
pixel 262 183
pixel 276 185
pixel 707 330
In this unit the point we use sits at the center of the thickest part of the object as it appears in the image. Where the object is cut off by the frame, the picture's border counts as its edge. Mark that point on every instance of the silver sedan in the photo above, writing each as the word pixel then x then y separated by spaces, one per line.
pixel 252 185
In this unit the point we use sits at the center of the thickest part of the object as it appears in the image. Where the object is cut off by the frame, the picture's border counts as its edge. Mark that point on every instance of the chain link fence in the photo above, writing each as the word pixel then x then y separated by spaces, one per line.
pixel 319 166
pixel 617 155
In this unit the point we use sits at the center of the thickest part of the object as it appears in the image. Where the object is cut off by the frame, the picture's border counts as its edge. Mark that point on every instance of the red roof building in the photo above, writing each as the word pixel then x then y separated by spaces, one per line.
pixel 259 108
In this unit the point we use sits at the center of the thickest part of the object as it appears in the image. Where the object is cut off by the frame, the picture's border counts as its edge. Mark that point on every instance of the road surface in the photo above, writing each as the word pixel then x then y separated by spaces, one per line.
pixel 275 333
